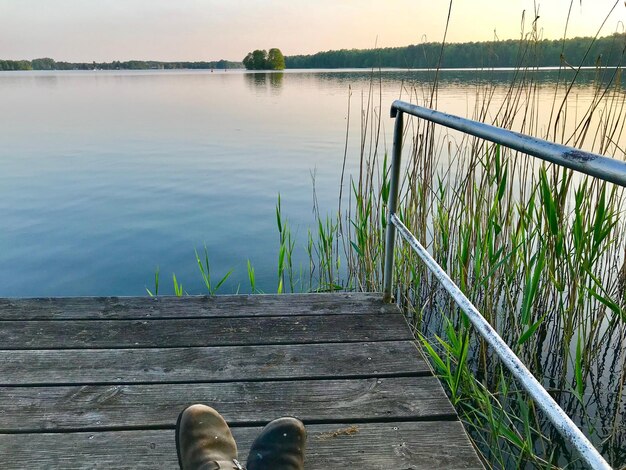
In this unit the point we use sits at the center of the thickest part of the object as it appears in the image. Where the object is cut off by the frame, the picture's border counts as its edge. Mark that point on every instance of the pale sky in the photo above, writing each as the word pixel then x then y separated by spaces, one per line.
pixel 106 30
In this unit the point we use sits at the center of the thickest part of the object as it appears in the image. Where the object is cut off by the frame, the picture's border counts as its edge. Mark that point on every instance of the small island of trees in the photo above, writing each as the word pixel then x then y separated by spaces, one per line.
pixel 263 60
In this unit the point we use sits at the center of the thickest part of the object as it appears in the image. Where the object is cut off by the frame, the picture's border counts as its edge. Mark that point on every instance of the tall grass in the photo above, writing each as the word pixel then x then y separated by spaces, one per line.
pixel 538 249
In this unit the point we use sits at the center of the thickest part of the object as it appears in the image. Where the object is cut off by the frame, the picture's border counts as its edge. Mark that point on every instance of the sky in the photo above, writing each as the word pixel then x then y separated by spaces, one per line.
pixel 171 30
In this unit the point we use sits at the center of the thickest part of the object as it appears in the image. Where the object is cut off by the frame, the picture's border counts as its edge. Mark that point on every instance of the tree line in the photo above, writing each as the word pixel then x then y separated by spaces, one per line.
pixel 607 51
pixel 50 64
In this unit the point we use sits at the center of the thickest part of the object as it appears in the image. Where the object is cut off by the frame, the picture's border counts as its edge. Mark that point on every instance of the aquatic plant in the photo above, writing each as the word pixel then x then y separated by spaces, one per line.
pixel 205 270
pixel 538 249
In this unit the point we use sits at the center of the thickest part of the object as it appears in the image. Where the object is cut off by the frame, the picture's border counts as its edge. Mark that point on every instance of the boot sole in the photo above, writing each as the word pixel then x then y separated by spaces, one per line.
pixel 180 461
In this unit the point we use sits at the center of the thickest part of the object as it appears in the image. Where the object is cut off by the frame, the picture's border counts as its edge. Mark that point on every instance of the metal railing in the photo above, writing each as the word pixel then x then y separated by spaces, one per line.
pixel 591 164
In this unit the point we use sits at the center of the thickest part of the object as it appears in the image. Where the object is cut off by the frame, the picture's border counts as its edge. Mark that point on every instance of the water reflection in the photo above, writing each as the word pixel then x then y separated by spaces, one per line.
pixel 127 136
pixel 265 81
pixel 49 81
pixel 451 77
pixel 117 172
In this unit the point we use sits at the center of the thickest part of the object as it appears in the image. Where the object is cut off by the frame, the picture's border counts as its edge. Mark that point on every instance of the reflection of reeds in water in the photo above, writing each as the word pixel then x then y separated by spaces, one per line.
pixel 539 250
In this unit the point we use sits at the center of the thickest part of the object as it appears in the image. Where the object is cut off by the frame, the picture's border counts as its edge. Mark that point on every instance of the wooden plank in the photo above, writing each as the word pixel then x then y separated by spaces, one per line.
pixel 404 445
pixel 201 332
pixel 103 308
pixel 230 363
pixel 135 406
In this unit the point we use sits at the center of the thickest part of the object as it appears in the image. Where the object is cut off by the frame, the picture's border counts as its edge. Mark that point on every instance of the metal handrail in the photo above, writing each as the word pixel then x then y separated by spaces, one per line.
pixel 592 164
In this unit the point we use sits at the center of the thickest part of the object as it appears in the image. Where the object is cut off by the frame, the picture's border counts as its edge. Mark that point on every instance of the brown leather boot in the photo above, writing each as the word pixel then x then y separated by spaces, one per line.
pixel 204 441
pixel 280 446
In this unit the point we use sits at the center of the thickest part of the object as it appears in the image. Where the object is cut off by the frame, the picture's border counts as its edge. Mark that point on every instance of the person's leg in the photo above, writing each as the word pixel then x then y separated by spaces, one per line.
pixel 280 446
pixel 204 441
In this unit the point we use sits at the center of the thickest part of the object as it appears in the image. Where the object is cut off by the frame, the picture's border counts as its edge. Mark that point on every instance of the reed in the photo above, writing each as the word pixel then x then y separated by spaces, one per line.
pixel 538 249
pixel 205 270
pixel 155 291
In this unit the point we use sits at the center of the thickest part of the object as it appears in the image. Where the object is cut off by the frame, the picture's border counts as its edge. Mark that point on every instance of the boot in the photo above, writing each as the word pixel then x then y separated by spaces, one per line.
pixel 280 446
pixel 204 441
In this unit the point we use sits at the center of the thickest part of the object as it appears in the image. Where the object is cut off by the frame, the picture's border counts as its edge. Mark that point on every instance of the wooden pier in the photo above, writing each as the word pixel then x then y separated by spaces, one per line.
pixel 99 382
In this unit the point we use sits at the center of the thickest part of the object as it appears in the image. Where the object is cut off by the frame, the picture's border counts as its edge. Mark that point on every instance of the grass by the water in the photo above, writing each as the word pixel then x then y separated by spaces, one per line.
pixel 540 250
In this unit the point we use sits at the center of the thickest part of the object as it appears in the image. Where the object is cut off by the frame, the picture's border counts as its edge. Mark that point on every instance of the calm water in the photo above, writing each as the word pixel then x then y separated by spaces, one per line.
pixel 106 175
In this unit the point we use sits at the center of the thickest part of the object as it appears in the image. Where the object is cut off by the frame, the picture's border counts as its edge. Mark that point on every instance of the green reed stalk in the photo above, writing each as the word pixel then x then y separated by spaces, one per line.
pixel 539 250
pixel 205 270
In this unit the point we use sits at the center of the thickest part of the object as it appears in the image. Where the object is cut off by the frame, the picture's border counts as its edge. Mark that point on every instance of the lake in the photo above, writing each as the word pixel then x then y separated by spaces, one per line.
pixel 106 176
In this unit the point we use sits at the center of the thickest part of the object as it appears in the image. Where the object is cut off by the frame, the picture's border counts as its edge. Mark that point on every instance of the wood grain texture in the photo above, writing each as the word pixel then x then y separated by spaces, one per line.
pixel 411 445
pixel 229 363
pixel 201 332
pixel 142 406
pixel 99 382
pixel 106 308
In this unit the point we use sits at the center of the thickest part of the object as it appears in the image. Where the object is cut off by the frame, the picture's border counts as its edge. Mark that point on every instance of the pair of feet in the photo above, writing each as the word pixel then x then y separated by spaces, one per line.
pixel 204 442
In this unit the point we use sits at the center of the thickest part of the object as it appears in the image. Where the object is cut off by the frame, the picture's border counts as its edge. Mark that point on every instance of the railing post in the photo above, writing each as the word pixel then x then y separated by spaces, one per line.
pixel 393 202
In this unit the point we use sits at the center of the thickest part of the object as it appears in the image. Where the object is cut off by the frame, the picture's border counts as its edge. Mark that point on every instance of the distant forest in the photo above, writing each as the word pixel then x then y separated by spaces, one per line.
pixel 608 50
pixel 50 64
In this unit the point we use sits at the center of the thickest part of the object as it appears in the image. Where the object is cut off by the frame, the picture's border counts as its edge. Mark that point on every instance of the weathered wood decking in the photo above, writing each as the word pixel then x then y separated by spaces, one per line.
pixel 99 382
